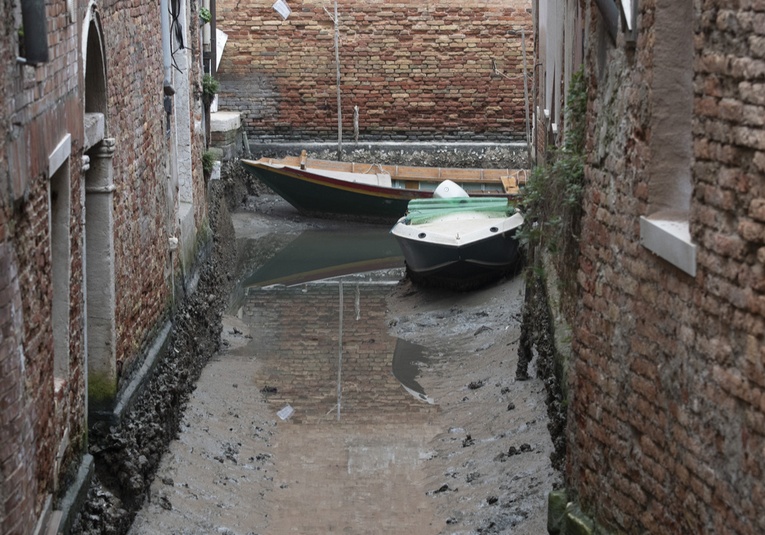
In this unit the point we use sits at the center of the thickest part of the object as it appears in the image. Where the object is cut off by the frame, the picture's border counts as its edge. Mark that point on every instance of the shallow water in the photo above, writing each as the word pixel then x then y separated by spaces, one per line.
pixel 320 296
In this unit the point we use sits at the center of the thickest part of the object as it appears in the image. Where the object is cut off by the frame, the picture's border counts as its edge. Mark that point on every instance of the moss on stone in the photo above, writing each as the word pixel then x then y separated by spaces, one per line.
pixel 102 390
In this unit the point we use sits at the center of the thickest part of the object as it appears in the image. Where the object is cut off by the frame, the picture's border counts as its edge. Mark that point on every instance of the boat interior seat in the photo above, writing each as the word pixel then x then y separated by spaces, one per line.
pixel 373 179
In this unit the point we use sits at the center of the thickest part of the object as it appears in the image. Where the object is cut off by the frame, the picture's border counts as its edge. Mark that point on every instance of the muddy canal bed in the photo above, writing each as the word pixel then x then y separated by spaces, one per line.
pixel 348 402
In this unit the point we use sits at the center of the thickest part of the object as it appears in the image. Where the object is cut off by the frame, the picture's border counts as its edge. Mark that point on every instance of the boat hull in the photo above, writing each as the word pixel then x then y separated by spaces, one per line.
pixel 431 257
pixel 321 196
pixel 366 192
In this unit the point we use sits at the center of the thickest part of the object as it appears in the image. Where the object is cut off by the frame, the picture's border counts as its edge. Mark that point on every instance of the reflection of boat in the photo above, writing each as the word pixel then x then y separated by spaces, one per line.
pixel 372 191
pixel 322 254
pixel 407 357
pixel 459 241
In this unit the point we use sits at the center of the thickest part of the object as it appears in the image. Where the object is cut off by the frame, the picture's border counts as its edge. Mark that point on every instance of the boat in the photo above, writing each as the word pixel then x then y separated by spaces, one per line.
pixel 374 192
pixel 458 241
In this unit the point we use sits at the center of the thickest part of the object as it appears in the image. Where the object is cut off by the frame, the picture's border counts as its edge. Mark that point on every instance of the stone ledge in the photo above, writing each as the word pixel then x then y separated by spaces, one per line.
pixel 225 121
pixel 670 239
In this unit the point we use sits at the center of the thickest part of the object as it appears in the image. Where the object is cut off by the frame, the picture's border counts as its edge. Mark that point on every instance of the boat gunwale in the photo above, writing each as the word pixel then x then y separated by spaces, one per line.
pixel 367 189
pixel 396 172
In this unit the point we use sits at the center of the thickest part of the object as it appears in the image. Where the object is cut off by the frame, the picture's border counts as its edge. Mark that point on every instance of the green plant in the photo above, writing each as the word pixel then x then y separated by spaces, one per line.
pixel 204 15
pixel 208 158
pixel 210 86
pixel 553 194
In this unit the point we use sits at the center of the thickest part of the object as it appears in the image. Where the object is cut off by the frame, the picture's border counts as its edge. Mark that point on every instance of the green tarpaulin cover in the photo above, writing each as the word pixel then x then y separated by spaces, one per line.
pixel 425 210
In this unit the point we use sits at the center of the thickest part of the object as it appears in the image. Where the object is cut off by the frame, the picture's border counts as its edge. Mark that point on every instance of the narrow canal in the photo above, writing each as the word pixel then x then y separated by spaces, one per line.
pixel 347 400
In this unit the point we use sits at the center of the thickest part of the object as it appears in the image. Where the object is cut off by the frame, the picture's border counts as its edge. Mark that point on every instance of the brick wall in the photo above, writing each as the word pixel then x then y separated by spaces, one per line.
pixel 40 114
pixel 141 211
pixel 18 485
pixel 667 418
pixel 43 431
pixel 415 70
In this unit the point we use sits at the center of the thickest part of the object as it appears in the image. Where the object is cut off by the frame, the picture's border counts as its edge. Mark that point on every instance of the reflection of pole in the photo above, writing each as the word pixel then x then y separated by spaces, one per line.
pixel 340 354
pixel 339 110
pixel 526 94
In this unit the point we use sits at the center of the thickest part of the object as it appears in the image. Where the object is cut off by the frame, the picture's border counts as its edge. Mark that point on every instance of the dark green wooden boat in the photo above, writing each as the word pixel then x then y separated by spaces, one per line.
pixel 371 191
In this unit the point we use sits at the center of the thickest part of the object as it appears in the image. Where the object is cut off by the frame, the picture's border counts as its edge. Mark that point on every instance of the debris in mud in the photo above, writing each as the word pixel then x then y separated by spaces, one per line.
pixel 468 441
pixel 475 385
pixel 164 503
pixel 444 488
pixel 482 329
pixel 491 500
pixel 510 406
pixel 512 451
pixel 269 389
pixel 523 449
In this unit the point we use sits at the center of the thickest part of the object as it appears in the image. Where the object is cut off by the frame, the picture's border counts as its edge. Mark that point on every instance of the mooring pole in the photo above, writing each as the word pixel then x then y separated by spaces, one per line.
pixel 339 108
pixel 526 95
pixel 340 355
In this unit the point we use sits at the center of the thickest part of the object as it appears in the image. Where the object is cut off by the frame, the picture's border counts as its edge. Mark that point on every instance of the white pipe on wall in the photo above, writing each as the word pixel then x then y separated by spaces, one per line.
pixel 164 17
pixel 206 29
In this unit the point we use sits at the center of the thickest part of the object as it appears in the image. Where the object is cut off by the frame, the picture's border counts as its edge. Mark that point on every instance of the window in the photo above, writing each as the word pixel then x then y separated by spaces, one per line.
pixel 665 229
pixel 60 210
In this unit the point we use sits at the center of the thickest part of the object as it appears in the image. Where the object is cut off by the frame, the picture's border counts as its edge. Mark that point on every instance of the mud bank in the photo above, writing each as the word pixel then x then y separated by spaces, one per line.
pixel 127 456
pixel 490 469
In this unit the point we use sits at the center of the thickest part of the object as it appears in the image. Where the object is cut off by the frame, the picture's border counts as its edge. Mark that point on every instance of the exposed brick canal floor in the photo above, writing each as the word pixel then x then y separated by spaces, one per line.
pixel 474 461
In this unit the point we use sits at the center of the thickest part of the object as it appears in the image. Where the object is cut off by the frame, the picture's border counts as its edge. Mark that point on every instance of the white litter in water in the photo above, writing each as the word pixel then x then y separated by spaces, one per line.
pixel 286 412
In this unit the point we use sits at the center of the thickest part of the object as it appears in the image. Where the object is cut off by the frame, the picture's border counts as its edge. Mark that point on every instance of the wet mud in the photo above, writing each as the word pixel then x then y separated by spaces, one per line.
pixel 482 457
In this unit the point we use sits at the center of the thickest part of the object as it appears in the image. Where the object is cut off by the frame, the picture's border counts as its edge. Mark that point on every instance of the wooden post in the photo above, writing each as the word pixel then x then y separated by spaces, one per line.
pixel 339 108
pixel 526 95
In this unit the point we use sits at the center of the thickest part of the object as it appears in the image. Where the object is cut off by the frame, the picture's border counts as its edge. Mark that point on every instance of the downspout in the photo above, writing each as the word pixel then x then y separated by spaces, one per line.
pixel 213 41
pixel 206 67
pixel 164 17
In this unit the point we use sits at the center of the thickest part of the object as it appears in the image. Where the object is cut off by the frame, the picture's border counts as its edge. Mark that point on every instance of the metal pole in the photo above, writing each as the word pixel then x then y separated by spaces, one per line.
pixel 526 94
pixel 340 355
pixel 337 64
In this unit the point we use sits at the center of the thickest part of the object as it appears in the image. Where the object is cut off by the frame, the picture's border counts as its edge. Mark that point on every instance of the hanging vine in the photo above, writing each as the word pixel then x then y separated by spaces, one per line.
pixel 553 196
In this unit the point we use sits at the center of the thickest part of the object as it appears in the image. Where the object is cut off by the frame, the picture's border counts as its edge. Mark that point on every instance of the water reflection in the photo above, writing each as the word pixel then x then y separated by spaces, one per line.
pixel 407 359
pixel 321 254
pixel 321 302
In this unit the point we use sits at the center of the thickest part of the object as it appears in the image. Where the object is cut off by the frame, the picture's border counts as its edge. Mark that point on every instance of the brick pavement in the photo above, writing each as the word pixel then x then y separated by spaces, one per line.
pixel 359 474
pixel 301 362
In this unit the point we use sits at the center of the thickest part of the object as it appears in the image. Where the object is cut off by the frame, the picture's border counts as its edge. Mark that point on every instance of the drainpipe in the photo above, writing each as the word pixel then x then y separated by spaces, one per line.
pixel 167 64
pixel 213 40
pixel 206 31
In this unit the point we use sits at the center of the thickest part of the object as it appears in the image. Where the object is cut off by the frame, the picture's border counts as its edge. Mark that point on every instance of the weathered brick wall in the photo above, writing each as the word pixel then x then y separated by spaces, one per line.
pixel 42 413
pixel 43 107
pixel 667 420
pixel 18 485
pixel 141 211
pixel 416 70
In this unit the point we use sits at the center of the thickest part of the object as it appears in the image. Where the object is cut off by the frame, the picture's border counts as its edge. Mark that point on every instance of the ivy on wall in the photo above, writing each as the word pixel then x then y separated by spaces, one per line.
pixel 553 197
